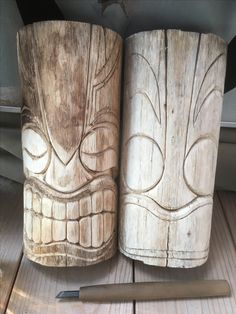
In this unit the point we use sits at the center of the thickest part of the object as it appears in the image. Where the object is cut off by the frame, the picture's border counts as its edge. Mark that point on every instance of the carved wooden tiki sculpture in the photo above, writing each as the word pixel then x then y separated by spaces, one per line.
pixel 70 125
pixel 173 97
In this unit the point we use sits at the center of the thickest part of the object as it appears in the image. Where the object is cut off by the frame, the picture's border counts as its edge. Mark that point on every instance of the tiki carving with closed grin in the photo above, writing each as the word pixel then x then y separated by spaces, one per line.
pixel 70 76
pixel 173 97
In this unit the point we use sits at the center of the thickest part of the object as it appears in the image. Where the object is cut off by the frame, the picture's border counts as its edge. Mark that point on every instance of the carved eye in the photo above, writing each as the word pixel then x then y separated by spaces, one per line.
pixel 143 165
pixel 199 166
pixel 99 149
pixel 35 150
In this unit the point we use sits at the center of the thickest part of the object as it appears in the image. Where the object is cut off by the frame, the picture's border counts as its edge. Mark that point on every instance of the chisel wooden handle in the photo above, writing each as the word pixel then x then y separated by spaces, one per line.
pixel 155 291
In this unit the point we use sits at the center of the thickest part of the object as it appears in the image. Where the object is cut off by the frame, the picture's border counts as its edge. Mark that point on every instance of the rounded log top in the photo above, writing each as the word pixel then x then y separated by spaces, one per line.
pixel 176 31
pixel 65 23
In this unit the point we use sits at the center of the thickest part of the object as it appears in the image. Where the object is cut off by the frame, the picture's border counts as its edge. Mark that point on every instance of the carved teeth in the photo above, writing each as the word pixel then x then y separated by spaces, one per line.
pixel 37 203
pixel 46 207
pixel 85 206
pixel 89 231
pixel 59 210
pixel 88 222
pixel 109 200
pixel 73 231
pixel 97 202
pixel 73 210
pixel 85 232
pixel 46 230
pixel 58 230
pixel 36 229
pixel 108 225
pixel 28 199
pixel 97 230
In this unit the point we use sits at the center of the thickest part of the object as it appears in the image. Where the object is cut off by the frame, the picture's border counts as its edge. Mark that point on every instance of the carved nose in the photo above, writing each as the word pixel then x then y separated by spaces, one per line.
pixel 66 178
pixel 172 191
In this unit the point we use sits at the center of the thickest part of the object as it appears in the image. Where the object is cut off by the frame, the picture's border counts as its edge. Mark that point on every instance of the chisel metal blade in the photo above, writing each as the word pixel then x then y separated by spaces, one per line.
pixel 68 294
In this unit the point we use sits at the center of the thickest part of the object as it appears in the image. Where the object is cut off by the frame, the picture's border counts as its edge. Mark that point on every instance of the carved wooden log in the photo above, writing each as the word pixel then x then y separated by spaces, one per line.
pixel 70 74
pixel 173 97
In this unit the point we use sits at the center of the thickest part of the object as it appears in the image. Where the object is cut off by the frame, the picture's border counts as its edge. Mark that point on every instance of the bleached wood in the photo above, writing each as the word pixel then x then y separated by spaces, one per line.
pixel 36 287
pixel 173 97
pixel 220 265
pixel 70 75
pixel 11 222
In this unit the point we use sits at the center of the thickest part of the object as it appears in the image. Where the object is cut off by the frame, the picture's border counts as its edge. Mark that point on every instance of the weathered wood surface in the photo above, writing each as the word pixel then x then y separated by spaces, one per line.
pixel 173 91
pixel 71 88
pixel 220 265
pixel 11 223
pixel 36 287
pixel 228 201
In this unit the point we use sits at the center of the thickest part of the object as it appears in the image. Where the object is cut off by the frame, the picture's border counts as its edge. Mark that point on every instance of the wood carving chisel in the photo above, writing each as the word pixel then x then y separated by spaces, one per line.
pixel 149 291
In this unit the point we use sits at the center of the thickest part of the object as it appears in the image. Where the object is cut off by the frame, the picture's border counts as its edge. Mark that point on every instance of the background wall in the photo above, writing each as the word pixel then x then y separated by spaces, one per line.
pixel 10 22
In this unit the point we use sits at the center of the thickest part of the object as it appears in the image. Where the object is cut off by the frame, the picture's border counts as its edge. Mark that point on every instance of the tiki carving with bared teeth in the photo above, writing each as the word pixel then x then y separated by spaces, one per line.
pixel 70 75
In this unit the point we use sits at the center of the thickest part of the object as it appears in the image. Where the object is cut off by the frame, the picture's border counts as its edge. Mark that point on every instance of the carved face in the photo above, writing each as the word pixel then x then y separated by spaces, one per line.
pixel 173 97
pixel 71 84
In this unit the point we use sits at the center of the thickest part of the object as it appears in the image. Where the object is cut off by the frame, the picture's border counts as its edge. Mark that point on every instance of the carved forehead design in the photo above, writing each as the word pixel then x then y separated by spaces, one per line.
pixel 64 63
pixel 81 53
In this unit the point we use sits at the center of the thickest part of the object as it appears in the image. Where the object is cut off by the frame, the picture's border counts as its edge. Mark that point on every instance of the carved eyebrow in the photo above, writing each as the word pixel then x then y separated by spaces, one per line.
pixel 158 113
pixel 197 107
pixel 100 153
pixel 34 157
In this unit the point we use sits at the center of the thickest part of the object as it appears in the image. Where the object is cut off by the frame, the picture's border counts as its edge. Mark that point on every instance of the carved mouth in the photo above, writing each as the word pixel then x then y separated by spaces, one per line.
pixel 86 219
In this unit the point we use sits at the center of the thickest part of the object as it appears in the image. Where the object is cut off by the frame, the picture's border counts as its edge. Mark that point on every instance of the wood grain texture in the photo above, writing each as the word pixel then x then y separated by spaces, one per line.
pixel 36 287
pixel 228 201
pixel 173 97
pixel 70 135
pixel 220 265
pixel 11 223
